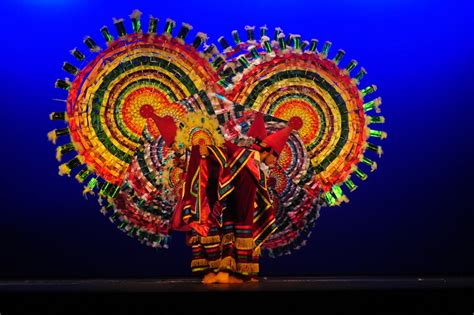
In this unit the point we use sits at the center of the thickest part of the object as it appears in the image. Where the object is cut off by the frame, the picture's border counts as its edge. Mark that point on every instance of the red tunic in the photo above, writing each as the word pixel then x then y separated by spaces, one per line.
pixel 228 192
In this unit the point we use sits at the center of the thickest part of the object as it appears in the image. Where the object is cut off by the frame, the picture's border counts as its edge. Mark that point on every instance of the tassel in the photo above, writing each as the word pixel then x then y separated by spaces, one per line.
pixel 372 164
pixel 63 149
pixel 250 35
pixel 224 44
pixel 277 33
pixel 210 50
pixel 106 34
pixel 92 184
pixel 224 82
pixel 254 52
pixel 86 191
pixel 218 62
pixel 63 169
pixel 362 72
pixel 54 134
pixel 263 31
pixel 360 174
pixel 314 46
pixel 375 148
pixel 62 84
pixel 69 68
pixel 136 23
pixel 374 120
pixel 90 43
pixel 281 41
pixel 350 185
pixel 304 45
pixel 200 38
pixel 77 54
pixel 114 217
pixel 235 37
pixel 152 25
pixel 120 27
pixel 68 166
pixel 109 190
pixel 296 39
pixel 243 61
pixel 329 198
pixel 351 66
pixel 184 31
pixel 104 210
pixel 337 59
pixel 337 191
pixel 266 44
pixel 325 50
pixel 83 174
pixel 377 134
pixel 374 104
pixel 133 230
pixel 370 89
pixel 288 39
pixel 170 24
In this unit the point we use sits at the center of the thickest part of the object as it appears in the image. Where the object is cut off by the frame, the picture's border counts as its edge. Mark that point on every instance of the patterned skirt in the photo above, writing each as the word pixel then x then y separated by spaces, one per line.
pixel 230 247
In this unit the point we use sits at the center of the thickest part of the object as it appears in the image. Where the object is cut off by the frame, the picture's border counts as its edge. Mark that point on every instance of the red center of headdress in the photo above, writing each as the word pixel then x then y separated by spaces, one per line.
pixel 295 122
pixel 146 111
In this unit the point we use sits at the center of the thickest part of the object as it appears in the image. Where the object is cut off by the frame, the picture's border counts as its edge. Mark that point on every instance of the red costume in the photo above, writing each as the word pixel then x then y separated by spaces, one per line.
pixel 227 191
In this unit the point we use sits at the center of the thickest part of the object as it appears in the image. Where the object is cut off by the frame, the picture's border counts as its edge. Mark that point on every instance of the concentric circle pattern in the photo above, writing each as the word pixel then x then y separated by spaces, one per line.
pixel 289 79
pixel 105 98
pixel 311 92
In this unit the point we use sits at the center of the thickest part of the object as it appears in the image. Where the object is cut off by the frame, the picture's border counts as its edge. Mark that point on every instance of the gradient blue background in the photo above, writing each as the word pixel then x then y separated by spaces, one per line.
pixel 414 215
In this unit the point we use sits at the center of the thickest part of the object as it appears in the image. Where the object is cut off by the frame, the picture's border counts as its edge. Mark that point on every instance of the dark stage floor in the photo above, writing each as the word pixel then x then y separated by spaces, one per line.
pixel 351 295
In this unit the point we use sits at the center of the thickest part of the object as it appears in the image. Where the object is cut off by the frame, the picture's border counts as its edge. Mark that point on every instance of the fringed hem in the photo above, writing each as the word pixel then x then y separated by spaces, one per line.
pixel 210 239
pixel 248 269
pixel 228 238
pixel 225 264
pixel 244 243
pixel 228 263
pixel 199 263
pixel 204 240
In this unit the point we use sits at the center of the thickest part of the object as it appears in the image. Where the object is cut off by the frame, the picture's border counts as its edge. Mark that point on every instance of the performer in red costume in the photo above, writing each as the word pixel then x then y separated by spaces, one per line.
pixel 226 196
pixel 225 207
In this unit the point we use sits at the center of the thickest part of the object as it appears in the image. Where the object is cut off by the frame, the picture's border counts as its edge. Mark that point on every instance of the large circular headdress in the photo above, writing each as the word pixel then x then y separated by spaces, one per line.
pixel 290 79
pixel 105 97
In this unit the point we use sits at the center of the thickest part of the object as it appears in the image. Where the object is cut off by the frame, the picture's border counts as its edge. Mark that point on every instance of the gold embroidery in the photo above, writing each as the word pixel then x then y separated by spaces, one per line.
pixel 199 263
pixel 228 238
pixel 228 263
pixel 247 268
pixel 244 243
pixel 209 239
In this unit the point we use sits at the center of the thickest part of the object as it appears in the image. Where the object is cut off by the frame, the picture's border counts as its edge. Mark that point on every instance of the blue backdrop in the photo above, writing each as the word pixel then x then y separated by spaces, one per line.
pixel 414 215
